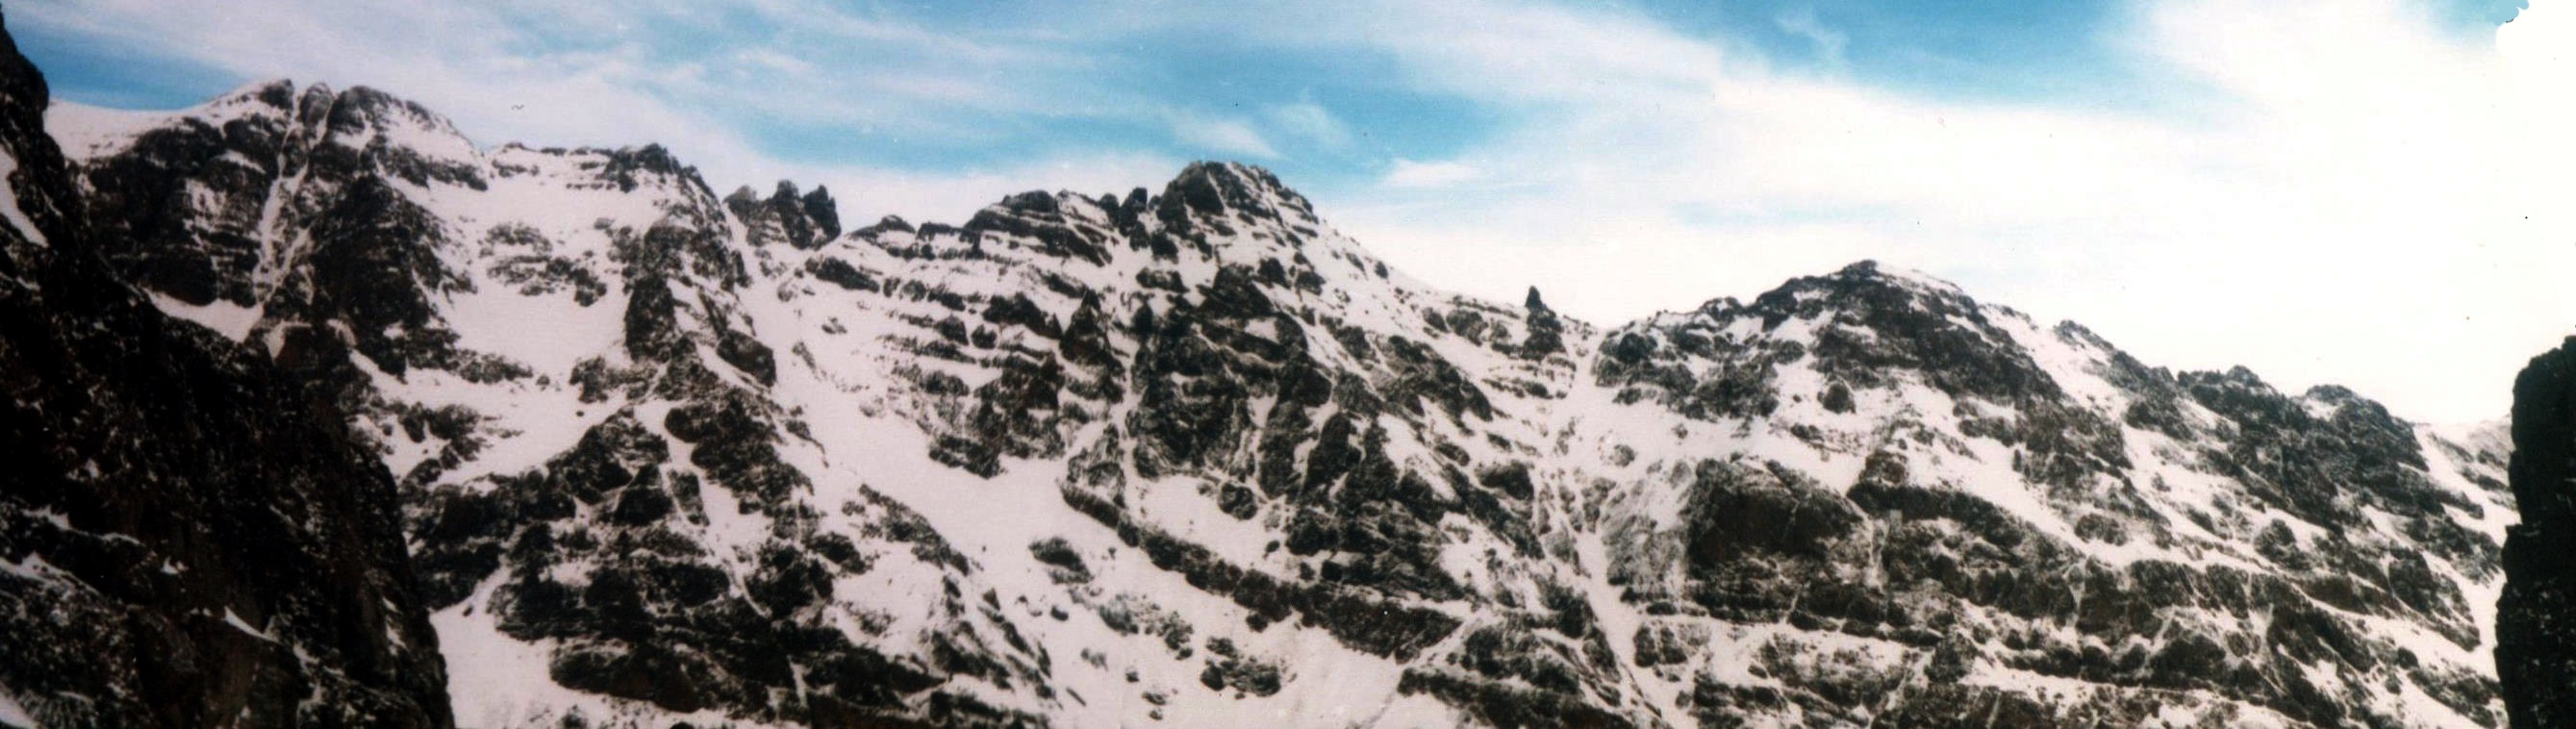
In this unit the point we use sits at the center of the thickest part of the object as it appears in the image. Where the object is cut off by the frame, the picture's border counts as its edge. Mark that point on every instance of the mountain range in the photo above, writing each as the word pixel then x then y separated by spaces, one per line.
pixel 325 415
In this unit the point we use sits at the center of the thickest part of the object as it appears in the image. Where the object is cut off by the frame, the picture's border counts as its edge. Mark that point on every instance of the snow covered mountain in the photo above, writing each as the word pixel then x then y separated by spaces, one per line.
pixel 1192 456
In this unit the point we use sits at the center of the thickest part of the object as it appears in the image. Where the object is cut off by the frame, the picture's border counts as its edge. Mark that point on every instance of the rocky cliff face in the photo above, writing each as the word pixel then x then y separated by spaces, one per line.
pixel 188 537
pixel 2536 622
pixel 1190 455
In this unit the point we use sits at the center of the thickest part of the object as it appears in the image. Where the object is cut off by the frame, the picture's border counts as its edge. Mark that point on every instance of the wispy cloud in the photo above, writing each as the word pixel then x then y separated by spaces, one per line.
pixel 2344 194
pixel 1310 121
pixel 1408 174
pixel 1220 136
pixel 1801 22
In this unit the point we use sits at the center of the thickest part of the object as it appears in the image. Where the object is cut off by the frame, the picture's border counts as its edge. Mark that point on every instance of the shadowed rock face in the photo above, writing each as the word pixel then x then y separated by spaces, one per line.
pixel 188 537
pixel 2536 618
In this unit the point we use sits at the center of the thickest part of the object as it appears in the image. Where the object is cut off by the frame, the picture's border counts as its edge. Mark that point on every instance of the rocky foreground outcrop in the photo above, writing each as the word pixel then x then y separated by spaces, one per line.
pixel 188 536
pixel 2536 619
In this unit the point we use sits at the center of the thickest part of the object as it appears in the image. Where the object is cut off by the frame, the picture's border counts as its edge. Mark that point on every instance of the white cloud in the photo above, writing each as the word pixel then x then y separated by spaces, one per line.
pixel 1405 173
pixel 1801 22
pixel 1310 121
pixel 775 61
pixel 1219 135
pixel 2345 195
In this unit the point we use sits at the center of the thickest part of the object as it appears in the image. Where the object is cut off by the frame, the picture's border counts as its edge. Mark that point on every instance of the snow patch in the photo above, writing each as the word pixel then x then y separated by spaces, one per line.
pixel 233 321
pixel 12 713
pixel 9 202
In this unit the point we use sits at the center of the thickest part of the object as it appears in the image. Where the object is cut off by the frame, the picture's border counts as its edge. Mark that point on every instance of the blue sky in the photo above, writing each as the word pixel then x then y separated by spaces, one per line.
pixel 2207 182
pixel 938 87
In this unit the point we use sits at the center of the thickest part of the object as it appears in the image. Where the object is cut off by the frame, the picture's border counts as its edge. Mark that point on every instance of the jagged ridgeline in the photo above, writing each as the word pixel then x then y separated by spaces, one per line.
pixel 1192 456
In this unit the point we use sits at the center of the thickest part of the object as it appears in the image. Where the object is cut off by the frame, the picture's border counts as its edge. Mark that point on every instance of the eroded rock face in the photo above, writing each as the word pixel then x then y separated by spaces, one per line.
pixel 1189 453
pixel 188 535
pixel 2536 619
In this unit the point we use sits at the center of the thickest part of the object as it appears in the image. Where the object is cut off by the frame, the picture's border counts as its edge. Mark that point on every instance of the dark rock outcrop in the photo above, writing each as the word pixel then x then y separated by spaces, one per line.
pixel 804 221
pixel 2536 617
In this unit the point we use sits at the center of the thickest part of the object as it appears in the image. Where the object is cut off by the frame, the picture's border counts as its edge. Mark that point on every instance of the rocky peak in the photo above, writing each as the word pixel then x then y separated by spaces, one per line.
pixel 1059 224
pixel 648 166
pixel 1210 187
pixel 1231 215
pixel 887 224
pixel 806 220
pixel 1032 201
pixel 825 213
pixel 1864 284
pixel 397 137
pixel 276 94
pixel 364 108
pixel 1546 330
pixel 1217 196
pixel 313 105
pixel 1860 327
pixel 355 117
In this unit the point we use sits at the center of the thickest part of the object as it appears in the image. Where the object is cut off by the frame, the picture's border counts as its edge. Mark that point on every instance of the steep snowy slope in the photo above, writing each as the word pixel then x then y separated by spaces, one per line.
pixel 187 537
pixel 1191 455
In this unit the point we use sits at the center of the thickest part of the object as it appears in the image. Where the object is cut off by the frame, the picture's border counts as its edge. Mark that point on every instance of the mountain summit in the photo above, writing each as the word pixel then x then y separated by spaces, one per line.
pixel 1194 455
